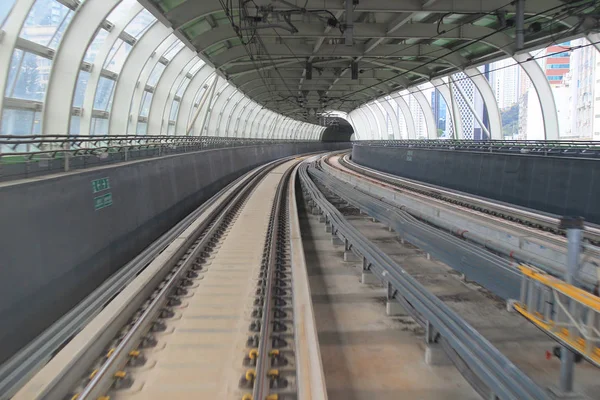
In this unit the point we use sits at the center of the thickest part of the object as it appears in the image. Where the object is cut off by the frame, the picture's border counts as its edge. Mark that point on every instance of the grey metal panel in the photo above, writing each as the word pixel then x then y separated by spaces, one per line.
pixel 55 249
pixel 556 185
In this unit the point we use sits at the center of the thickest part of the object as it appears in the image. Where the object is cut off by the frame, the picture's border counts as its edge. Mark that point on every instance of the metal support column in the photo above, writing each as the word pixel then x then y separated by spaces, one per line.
pixel 574 228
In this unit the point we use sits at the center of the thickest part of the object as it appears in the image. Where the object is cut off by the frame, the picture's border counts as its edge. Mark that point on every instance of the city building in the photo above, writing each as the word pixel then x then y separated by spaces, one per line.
pixel 557 63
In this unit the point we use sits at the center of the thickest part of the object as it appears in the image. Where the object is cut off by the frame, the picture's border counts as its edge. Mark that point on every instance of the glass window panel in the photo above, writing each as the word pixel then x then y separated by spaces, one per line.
pixel 5 7
pixel 146 104
pixel 46 22
pixel 140 23
pixel 17 122
pixel 171 129
pixel 82 81
pixel 119 11
pixel 196 67
pixel 183 86
pixel 174 110
pixel 37 123
pixel 32 78
pixel 117 56
pixel 155 74
pixel 15 66
pixel 103 99
pixel 142 127
pixel 172 52
pixel 99 126
pixel 60 31
pixel 74 127
pixel 94 47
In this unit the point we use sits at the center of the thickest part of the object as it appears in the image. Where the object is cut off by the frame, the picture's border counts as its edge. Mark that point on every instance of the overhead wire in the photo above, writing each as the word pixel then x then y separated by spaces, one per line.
pixel 451 51
pixel 239 33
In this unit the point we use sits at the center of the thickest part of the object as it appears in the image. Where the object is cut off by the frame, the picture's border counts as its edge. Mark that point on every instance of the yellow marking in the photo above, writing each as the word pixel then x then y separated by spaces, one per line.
pixel 247 396
pixel 75 396
pixel 94 372
pixel 573 292
pixel 104 398
pixel 110 352
pixel 272 397
pixel 274 353
pixel 134 353
pixel 120 374
pixel 253 354
pixel 250 375
pixel 273 372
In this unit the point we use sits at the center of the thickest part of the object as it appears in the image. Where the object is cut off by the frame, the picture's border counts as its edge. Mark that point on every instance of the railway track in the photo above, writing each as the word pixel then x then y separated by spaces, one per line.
pixel 541 221
pixel 213 316
pixel 524 243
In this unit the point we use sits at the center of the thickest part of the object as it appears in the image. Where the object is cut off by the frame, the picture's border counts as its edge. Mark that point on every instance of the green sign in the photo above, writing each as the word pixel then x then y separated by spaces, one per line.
pixel 103 201
pixel 99 185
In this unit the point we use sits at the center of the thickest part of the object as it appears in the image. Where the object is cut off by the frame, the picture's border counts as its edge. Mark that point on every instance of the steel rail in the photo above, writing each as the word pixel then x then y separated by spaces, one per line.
pixel 261 383
pixel 503 378
pixel 309 367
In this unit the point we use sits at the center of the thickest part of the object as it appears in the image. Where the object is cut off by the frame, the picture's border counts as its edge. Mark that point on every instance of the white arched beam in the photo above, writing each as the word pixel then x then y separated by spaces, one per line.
pixel 67 60
pixel 411 127
pixel 130 73
pixel 391 113
pixel 452 110
pixel 430 124
pixel 544 93
pixel 489 99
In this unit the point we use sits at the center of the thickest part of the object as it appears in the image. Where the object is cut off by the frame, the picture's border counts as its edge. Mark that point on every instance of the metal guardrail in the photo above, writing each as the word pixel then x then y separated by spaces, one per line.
pixel 53 146
pixel 498 274
pixel 561 148
pixel 490 367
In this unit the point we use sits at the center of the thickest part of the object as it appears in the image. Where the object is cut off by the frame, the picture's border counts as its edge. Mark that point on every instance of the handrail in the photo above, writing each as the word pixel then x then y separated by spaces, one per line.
pixel 55 146
pixel 500 375
pixel 563 148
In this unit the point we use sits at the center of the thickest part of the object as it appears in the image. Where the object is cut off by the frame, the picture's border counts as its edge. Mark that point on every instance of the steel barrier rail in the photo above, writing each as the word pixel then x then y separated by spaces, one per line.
pixel 560 148
pixel 498 274
pixel 503 378
pixel 53 146
pixel 19 367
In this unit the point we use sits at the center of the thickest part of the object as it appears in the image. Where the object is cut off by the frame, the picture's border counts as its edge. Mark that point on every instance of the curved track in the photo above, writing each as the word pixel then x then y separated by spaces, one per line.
pixel 528 217
pixel 212 316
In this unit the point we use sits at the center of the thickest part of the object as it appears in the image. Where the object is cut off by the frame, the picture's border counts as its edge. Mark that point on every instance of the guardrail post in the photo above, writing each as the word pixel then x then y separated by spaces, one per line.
pixel 574 228
pixel 367 277
pixel 66 154
pixel 392 307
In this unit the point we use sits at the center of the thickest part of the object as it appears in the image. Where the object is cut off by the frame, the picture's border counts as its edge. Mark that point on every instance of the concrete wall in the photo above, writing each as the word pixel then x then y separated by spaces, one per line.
pixel 55 248
pixel 556 185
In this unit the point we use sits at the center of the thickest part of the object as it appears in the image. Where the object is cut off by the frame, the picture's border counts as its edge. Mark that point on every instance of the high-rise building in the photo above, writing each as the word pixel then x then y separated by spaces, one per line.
pixel 439 111
pixel 557 63
pixel 505 79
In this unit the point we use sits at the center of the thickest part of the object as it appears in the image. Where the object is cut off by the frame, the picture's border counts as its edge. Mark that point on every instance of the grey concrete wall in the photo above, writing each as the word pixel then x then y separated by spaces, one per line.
pixel 555 185
pixel 55 248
